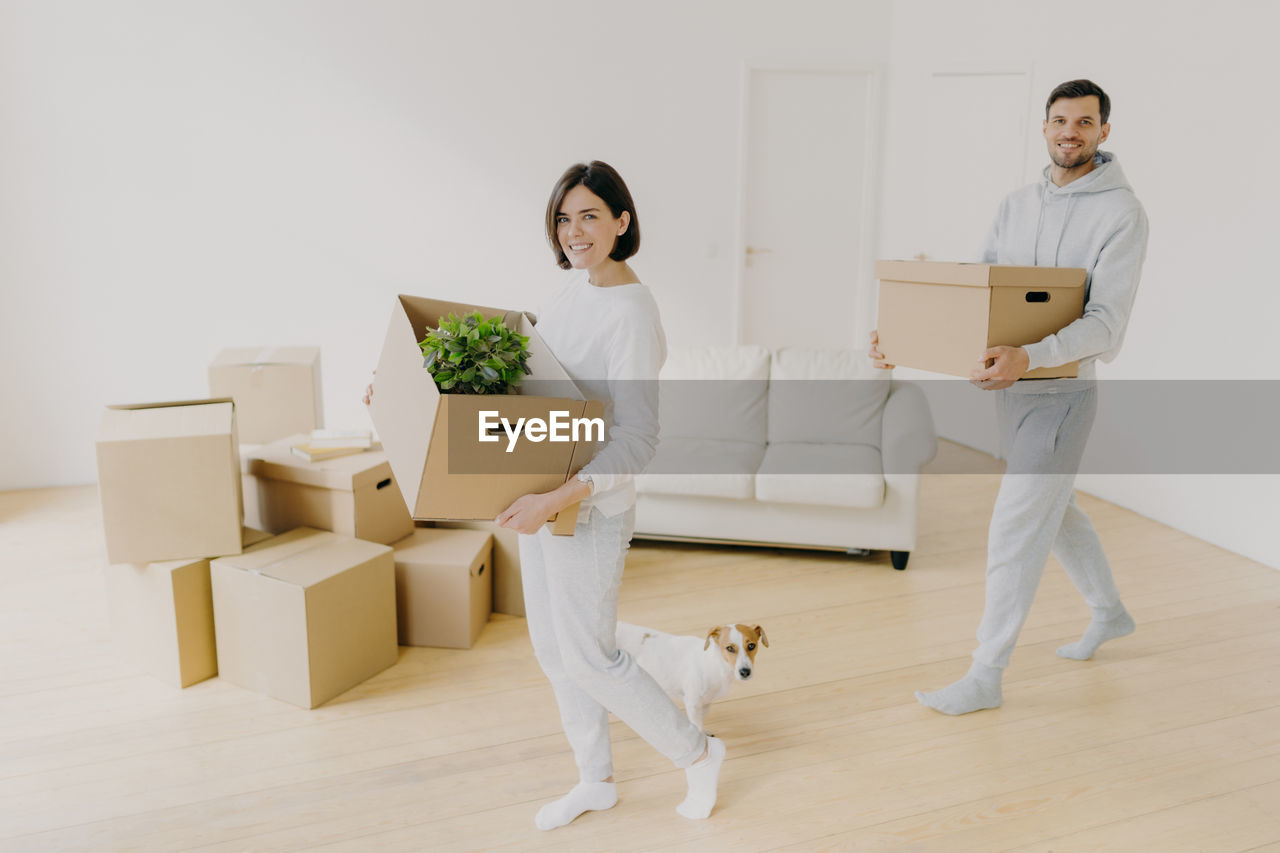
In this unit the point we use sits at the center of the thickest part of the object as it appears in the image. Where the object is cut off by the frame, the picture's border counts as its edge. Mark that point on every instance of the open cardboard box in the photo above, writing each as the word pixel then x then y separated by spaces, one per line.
pixel 432 438
pixel 941 316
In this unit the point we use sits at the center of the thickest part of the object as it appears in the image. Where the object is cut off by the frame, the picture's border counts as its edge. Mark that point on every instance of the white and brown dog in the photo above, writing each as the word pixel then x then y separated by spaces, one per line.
pixel 692 670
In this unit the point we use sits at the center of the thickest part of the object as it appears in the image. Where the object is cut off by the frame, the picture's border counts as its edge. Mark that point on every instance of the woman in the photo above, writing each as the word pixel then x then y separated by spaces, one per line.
pixel 603 327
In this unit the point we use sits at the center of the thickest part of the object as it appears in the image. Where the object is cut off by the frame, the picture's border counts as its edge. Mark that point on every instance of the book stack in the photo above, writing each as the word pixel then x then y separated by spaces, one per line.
pixel 332 443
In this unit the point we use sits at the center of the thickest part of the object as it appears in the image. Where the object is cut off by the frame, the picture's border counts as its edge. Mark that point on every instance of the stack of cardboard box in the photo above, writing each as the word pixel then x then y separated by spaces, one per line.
pixel 301 615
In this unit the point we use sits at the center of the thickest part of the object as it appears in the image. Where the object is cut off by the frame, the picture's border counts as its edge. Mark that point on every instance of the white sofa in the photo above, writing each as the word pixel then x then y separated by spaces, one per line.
pixel 796 447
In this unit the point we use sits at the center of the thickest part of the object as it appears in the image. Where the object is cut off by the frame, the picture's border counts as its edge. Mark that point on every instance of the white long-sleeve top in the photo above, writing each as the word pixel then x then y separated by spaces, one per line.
pixel 610 342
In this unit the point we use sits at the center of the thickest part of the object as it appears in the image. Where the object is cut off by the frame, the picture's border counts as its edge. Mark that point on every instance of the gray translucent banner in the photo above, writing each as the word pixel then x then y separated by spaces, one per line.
pixel 879 426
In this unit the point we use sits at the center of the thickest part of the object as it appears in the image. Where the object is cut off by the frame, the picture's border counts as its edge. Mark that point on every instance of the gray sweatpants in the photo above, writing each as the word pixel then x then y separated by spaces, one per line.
pixel 571 605
pixel 1043 436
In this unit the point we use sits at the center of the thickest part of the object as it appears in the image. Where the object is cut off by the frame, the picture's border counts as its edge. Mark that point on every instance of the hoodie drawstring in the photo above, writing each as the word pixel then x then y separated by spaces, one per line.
pixel 1035 246
pixel 1066 217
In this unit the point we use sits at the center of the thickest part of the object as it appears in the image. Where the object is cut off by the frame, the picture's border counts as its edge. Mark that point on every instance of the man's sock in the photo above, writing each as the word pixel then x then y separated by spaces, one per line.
pixel 1096 634
pixel 703 778
pixel 584 797
pixel 977 691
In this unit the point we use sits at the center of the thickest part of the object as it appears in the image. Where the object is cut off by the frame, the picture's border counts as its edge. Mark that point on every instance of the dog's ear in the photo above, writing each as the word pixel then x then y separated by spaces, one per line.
pixel 714 632
pixel 759 630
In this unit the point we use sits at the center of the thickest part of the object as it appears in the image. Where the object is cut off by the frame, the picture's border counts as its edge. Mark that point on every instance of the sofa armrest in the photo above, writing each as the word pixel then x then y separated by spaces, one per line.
pixel 907 436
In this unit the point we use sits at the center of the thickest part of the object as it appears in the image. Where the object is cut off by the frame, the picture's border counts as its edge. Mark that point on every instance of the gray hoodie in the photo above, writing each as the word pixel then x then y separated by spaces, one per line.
pixel 1094 222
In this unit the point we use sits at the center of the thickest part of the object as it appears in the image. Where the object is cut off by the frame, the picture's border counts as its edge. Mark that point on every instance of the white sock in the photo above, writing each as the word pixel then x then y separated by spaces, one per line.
pixel 703 778
pixel 977 691
pixel 583 797
pixel 1096 634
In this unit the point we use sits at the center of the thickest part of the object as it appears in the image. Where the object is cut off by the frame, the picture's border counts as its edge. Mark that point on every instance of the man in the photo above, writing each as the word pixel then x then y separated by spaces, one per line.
pixel 1082 214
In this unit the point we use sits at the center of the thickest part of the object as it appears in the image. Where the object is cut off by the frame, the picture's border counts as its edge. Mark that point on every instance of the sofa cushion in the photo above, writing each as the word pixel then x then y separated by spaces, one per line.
pixel 715 393
pixel 703 467
pixel 844 475
pixel 824 397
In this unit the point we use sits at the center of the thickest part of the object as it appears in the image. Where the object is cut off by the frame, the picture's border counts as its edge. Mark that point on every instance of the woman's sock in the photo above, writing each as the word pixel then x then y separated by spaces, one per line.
pixel 977 691
pixel 584 797
pixel 703 777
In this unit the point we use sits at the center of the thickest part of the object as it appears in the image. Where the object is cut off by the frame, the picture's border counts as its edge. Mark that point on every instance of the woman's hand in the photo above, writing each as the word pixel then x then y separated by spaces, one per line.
pixel 877 357
pixel 530 512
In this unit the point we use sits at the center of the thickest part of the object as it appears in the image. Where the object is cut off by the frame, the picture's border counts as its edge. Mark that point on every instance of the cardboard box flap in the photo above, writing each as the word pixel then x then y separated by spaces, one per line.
pixel 261 356
pixel 304 556
pixel 1038 277
pixel 404 424
pixel 275 461
pixel 129 407
pixel 444 547
pixel 547 377
pixel 979 275
pixel 147 421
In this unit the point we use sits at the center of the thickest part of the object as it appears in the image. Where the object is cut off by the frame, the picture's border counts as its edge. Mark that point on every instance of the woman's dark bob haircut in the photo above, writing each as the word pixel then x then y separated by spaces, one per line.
pixel 603 180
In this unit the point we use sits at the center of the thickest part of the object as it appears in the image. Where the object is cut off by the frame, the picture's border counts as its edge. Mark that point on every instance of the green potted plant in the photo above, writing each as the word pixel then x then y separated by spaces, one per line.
pixel 472 355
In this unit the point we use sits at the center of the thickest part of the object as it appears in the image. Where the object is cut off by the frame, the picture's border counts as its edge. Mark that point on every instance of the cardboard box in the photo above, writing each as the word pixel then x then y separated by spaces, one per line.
pixel 353 495
pixel 941 316
pixel 169 479
pixel 162 616
pixel 444 587
pixel 276 389
pixel 432 439
pixel 249 486
pixel 508 588
pixel 305 616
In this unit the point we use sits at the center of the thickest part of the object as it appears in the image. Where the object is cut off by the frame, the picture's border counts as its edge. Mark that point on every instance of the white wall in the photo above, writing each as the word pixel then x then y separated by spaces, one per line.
pixel 1194 124
pixel 180 177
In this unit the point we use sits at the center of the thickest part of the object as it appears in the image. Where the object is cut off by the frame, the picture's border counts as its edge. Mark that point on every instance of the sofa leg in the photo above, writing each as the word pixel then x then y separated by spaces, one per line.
pixel 899 559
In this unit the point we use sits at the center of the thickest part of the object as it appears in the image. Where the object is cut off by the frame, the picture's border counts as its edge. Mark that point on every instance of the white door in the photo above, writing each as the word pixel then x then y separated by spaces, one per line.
pixel 806 236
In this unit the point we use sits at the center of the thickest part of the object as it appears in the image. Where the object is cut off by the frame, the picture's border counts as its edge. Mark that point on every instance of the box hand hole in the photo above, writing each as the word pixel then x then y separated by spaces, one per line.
pixel 382 484
pixel 1037 296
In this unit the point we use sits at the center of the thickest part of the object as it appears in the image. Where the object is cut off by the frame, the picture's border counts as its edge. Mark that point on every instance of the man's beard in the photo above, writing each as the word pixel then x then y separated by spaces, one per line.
pixel 1070 161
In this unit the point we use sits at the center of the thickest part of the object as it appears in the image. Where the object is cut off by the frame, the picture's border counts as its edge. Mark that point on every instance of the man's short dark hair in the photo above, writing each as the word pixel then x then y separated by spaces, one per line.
pixel 1080 89
pixel 603 180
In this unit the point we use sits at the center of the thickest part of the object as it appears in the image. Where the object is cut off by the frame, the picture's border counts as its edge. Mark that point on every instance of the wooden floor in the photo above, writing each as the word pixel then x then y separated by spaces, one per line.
pixel 1169 740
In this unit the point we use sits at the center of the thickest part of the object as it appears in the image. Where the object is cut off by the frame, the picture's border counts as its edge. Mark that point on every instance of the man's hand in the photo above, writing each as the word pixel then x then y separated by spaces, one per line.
pixel 1010 364
pixel 877 357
